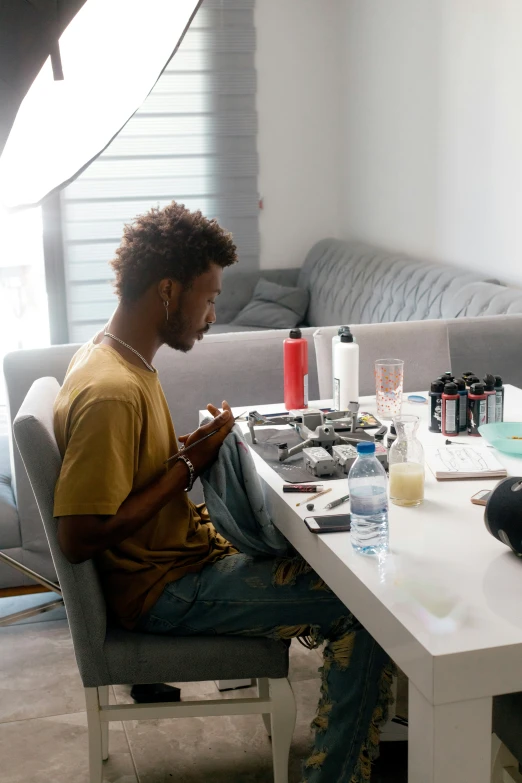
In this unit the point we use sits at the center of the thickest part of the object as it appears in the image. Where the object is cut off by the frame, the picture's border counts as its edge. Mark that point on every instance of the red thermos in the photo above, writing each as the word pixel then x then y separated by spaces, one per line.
pixel 295 359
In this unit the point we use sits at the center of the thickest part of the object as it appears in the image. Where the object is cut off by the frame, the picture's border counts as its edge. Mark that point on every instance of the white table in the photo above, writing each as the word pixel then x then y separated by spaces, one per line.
pixel 445 603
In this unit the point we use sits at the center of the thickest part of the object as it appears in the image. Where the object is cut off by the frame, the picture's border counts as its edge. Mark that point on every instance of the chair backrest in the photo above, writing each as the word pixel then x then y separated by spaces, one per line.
pixel 86 611
pixel 422 345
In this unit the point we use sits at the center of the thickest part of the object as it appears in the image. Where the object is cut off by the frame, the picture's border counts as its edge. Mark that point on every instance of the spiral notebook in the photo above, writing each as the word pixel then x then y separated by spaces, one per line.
pixel 464 462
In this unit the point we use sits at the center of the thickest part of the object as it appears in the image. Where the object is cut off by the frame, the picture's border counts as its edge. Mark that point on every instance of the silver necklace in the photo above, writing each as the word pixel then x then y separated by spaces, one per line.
pixel 145 362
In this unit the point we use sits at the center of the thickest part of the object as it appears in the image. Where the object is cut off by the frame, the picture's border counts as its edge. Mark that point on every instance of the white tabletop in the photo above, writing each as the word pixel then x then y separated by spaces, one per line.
pixel 446 602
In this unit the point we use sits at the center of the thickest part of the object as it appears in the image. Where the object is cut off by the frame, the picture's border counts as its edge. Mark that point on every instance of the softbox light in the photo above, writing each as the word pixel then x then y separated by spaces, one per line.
pixel 112 53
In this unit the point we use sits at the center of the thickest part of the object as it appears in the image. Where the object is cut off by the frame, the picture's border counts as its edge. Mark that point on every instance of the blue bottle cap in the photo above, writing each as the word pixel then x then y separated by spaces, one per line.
pixel 366 448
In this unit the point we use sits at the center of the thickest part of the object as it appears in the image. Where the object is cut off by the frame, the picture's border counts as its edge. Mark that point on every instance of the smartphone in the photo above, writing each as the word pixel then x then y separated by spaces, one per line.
pixel 335 523
pixel 481 498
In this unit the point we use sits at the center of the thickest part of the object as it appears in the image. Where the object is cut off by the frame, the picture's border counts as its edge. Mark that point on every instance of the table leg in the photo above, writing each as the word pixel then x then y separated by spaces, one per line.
pixel 449 743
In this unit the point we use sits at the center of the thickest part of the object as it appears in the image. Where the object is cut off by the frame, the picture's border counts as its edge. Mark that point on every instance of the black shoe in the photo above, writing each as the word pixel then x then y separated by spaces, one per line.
pixel 157 692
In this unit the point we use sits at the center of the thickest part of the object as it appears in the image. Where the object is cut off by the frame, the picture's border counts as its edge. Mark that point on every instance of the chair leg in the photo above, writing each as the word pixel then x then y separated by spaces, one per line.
pixel 95 735
pixel 103 698
pixel 504 764
pixel 263 691
pixel 283 724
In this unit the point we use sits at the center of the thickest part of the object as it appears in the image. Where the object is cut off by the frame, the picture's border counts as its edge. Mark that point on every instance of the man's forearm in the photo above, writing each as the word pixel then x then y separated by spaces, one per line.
pixel 95 534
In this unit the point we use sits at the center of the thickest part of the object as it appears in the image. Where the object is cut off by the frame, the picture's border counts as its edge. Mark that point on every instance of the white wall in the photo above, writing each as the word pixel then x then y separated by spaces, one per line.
pixel 432 129
pixel 299 113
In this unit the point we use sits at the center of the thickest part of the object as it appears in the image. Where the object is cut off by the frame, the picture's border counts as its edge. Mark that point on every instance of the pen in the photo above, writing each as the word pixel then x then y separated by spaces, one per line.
pixel 323 492
pixel 335 503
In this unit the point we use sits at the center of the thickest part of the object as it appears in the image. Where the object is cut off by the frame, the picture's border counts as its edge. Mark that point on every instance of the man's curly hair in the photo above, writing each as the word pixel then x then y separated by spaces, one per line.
pixel 169 242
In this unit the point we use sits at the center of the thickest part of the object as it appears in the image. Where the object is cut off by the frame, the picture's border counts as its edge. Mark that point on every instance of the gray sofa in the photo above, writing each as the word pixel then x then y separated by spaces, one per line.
pixel 247 369
pixel 348 283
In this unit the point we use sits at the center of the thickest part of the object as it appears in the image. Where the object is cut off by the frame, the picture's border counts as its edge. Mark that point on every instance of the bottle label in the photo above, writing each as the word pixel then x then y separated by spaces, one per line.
pixel 367 503
pixel 305 390
pixel 451 416
pixel 492 407
pixel 436 412
pixel 337 394
pixel 483 412
pixel 498 407
pixel 463 408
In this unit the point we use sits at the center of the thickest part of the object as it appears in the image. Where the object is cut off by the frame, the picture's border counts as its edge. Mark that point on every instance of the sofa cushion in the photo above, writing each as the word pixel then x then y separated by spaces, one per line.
pixel 350 282
pixel 483 298
pixel 274 306
pixel 238 288
pixel 226 328
pixel 9 524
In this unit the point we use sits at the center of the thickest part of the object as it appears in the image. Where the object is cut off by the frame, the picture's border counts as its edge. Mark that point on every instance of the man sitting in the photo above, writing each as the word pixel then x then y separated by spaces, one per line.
pixel 163 566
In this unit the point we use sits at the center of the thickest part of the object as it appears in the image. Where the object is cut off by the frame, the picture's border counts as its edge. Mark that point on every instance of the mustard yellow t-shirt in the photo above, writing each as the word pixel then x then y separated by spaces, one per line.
pixel 114 431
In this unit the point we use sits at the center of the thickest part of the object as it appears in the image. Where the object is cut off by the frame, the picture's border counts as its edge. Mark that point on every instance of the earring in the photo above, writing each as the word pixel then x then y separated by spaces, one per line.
pixel 166 303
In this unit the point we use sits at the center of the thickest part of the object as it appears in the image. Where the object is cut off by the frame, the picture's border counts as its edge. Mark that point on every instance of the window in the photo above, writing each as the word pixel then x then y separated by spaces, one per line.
pixel 193 140
pixel 24 317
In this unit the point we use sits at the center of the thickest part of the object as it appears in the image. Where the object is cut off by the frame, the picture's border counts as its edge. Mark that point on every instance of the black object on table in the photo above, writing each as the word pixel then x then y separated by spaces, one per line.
pixel 155 693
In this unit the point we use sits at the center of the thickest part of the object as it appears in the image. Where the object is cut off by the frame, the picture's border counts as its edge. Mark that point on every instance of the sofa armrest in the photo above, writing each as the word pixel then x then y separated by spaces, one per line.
pixel 238 288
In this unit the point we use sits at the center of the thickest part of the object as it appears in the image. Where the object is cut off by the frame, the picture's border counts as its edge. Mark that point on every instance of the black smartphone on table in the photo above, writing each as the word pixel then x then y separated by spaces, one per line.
pixel 335 523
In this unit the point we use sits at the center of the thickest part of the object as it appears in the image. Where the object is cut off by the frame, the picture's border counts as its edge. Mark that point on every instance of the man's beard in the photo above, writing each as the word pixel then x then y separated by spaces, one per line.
pixel 176 332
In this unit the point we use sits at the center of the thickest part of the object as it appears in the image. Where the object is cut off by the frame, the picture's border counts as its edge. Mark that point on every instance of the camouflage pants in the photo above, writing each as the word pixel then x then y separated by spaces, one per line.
pixel 282 599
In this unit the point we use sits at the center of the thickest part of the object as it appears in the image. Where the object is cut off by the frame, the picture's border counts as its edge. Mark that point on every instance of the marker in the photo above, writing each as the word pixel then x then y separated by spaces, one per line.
pixel 336 503
pixel 303 488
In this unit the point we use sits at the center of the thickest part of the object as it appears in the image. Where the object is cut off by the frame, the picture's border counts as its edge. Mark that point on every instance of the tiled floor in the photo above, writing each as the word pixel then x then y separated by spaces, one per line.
pixel 43 734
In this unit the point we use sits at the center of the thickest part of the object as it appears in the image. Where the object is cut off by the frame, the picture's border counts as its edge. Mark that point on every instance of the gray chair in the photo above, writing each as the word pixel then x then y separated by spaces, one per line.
pixel 108 655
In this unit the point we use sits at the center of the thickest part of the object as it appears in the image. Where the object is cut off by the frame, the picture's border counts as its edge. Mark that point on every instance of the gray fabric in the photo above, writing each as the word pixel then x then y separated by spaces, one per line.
pixel 479 299
pixel 238 288
pixel 84 602
pixel 226 328
pixel 487 344
pixel 115 656
pixel 10 524
pixel 507 722
pixel 235 501
pixel 422 345
pixel 350 282
pixel 274 306
pixel 144 658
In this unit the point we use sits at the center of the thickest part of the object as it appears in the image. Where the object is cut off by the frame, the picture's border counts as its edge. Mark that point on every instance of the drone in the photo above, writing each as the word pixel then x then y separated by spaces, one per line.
pixel 320 433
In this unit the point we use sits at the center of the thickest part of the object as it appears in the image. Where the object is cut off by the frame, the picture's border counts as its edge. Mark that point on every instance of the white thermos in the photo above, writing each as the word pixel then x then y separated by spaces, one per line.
pixel 336 340
pixel 345 370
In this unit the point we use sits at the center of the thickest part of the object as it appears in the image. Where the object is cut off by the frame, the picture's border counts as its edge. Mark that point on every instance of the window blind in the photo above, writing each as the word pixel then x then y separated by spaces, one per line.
pixel 193 140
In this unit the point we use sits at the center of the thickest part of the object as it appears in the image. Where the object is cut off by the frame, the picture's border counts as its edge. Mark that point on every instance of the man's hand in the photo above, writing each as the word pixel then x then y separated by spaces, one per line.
pixel 205 453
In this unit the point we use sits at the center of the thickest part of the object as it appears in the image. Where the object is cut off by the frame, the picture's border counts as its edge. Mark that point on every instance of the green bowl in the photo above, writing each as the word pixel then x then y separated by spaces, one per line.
pixel 500 435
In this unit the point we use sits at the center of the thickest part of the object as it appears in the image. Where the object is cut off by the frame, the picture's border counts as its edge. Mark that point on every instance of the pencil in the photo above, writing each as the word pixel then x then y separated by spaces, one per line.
pixel 323 492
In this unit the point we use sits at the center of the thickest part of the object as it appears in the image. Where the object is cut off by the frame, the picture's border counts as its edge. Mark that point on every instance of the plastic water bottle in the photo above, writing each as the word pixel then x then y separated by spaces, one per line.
pixel 367 484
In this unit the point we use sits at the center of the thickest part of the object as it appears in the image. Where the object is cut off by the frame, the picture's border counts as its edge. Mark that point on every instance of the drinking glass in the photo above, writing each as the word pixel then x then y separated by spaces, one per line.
pixel 389 381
